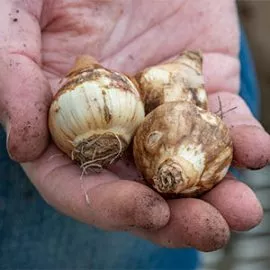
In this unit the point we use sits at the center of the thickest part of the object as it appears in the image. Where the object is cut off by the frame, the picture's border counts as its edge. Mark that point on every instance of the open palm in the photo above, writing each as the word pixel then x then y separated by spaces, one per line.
pixel 45 37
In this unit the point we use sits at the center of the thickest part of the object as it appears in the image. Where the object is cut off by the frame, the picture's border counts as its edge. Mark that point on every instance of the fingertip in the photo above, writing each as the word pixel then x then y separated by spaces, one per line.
pixel 22 151
pixel 27 97
pixel 193 223
pixel 127 205
pixel 237 203
pixel 251 146
pixel 27 136
pixel 206 229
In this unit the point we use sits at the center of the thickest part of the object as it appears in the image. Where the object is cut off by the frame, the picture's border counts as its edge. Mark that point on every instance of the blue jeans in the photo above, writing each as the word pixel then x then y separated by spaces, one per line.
pixel 34 236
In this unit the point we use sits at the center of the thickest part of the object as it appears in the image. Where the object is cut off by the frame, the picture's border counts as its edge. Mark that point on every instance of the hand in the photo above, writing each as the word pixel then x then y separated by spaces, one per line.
pixel 40 40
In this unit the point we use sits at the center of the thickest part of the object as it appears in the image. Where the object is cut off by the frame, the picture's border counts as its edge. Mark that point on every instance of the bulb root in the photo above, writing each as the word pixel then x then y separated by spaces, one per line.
pixel 98 151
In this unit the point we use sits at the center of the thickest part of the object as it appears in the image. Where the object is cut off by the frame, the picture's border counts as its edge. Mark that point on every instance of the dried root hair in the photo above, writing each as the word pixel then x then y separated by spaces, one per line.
pixel 98 151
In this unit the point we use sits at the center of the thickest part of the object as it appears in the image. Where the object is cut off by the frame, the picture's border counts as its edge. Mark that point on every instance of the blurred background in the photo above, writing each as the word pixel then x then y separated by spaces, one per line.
pixel 251 250
pixel 255 18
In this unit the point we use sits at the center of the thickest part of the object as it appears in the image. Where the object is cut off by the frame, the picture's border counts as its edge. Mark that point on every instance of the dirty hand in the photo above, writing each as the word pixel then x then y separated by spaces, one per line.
pixel 39 42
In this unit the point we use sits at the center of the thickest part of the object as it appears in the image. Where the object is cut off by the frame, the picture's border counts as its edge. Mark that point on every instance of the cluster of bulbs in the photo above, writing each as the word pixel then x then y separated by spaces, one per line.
pixel 179 146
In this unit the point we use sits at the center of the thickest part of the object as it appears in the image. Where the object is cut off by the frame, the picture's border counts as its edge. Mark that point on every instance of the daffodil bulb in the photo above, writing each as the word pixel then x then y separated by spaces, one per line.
pixel 182 150
pixel 180 79
pixel 95 113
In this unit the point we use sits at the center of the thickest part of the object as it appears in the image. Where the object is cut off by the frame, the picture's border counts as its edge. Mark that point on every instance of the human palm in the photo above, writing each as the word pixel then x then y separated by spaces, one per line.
pixel 43 40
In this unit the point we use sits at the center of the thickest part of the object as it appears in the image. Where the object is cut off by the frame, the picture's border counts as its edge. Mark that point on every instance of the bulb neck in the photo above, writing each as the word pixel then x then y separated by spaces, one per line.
pixel 83 62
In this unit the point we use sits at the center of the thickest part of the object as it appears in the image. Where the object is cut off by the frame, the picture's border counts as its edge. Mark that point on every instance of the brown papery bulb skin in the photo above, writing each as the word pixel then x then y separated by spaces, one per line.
pixel 180 79
pixel 182 150
pixel 95 114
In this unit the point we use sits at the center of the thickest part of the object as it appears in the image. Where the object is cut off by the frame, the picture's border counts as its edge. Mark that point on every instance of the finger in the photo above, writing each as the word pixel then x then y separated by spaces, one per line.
pixel 237 203
pixel 25 93
pixel 102 200
pixel 251 142
pixel 193 223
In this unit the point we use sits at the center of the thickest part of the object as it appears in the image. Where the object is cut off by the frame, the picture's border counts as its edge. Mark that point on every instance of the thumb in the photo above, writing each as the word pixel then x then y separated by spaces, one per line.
pixel 24 90
pixel 25 98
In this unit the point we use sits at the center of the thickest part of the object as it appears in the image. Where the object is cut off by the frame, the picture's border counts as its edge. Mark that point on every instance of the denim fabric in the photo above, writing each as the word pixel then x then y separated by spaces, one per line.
pixel 34 236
